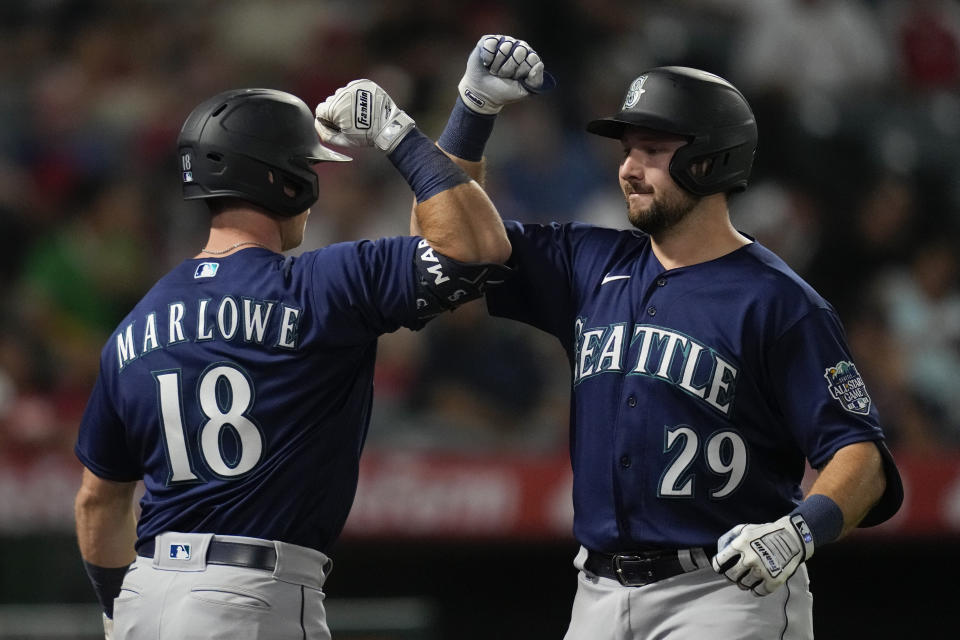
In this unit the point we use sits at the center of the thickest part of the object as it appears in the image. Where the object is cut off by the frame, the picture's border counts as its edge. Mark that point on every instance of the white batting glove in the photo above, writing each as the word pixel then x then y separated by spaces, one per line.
pixel 107 627
pixel 361 114
pixel 761 557
pixel 501 70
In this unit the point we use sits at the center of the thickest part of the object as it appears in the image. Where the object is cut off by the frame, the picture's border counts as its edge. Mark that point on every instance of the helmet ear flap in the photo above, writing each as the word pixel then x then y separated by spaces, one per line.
pixel 702 168
pixel 289 187
pixel 718 163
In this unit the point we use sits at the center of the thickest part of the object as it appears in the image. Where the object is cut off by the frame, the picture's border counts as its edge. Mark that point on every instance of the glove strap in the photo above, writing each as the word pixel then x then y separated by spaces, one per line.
pixel 467 132
pixel 803 530
pixel 394 131
pixel 477 101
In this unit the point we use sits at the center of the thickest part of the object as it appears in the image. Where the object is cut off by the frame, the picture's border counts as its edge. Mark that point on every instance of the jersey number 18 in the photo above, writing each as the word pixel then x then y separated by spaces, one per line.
pixel 239 393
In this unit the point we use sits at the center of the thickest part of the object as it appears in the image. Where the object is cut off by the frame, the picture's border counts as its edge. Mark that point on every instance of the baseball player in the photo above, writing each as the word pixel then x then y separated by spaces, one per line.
pixel 705 374
pixel 239 388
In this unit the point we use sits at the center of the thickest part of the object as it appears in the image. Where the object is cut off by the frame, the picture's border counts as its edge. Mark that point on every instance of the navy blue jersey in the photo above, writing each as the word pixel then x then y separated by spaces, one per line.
pixel 239 389
pixel 698 392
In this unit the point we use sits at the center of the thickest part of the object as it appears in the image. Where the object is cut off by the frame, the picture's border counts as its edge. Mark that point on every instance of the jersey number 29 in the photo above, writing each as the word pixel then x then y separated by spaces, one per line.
pixel 725 453
pixel 238 390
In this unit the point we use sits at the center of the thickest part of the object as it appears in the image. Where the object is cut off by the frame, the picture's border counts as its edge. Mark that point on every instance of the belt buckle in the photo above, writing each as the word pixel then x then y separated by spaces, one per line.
pixel 618 560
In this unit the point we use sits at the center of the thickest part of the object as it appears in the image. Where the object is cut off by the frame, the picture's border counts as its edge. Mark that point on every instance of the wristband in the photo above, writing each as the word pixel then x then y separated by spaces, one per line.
pixel 467 132
pixel 106 584
pixel 823 516
pixel 426 168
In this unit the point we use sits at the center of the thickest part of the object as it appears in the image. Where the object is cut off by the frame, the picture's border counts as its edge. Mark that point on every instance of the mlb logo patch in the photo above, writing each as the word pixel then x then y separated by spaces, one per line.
pixel 801 526
pixel 846 386
pixel 179 551
pixel 206 270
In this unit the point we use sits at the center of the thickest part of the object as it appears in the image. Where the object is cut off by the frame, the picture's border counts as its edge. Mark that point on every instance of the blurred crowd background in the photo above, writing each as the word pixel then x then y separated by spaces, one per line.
pixel 855 185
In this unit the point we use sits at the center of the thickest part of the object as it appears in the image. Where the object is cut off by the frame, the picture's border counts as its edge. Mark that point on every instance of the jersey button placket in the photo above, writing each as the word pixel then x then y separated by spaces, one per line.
pixel 659 282
pixel 625 461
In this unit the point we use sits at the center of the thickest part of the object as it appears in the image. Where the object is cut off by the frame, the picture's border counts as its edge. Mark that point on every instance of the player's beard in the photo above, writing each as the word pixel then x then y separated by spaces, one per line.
pixel 664 212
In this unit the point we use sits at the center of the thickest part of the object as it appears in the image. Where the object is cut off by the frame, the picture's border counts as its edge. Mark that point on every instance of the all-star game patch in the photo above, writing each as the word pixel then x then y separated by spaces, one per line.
pixel 846 386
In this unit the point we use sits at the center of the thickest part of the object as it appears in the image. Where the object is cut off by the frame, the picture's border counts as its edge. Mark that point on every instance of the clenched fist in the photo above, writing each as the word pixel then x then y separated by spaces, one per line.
pixel 501 70
pixel 361 114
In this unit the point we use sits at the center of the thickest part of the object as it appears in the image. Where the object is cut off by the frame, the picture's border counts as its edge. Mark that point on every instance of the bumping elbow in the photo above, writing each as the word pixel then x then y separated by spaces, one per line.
pixel 499 251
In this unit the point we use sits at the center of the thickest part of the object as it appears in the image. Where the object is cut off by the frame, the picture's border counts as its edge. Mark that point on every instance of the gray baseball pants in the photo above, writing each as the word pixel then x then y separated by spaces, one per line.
pixel 178 595
pixel 694 605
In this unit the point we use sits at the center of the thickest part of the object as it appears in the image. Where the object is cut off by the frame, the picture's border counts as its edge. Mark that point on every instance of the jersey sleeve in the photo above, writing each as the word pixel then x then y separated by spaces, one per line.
pixel 540 291
pixel 102 440
pixel 365 288
pixel 818 388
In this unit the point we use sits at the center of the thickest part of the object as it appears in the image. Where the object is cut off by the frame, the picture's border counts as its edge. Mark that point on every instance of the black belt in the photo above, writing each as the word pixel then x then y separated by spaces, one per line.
pixel 235 554
pixel 640 568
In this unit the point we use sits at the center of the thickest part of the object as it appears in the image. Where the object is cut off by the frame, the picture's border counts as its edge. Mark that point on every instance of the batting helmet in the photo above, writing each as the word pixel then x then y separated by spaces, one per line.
pixel 253 144
pixel 702 107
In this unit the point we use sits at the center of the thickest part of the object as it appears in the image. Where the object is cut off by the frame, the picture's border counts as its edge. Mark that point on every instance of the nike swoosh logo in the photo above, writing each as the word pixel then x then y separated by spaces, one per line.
pixel 609 278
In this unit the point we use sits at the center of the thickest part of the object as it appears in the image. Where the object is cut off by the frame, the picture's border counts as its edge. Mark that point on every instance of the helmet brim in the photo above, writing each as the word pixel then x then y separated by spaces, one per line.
pixel 614 126
pixel 607 127
pixel 324 154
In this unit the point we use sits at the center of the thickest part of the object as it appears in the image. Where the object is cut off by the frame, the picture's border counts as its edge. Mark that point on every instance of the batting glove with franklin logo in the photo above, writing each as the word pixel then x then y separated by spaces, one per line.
pixel 501 70
pixel 361 114
pixel 761 557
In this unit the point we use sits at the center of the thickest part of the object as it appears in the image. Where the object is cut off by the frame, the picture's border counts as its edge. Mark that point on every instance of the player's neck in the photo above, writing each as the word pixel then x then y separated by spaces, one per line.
pixel 236 230
pixel 702 236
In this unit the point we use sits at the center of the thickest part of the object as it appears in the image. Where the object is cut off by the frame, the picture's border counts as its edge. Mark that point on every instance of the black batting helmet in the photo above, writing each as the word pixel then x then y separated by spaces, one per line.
pixel 253 144
pixel 702 107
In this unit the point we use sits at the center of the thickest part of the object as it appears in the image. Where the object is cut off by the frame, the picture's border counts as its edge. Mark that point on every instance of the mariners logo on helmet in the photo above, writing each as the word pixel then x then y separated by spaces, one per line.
pixel 634 92
pixel 846 386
